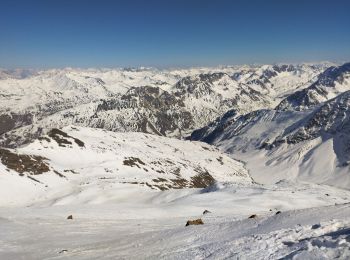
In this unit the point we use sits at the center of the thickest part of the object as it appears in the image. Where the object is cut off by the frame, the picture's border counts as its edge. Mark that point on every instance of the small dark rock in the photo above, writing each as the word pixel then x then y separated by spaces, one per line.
pixel 253 216
pixel 70 217
pixel 63 251
pixel 327 194
pixel 315 226
pixel 278 212
pixel 206 212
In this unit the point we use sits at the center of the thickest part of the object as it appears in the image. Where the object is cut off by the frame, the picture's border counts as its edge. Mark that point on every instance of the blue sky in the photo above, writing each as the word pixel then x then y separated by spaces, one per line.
pixel 102 33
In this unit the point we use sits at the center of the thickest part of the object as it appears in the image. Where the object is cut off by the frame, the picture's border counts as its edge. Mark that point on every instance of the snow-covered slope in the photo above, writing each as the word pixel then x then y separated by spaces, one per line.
pixel 164 102
pixel 310 145
pixel 90 165
pixel 300 221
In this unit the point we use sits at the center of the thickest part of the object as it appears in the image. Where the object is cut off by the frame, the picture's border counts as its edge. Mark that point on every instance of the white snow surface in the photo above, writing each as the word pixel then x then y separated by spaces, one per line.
pixel 114 219
pixel 152 225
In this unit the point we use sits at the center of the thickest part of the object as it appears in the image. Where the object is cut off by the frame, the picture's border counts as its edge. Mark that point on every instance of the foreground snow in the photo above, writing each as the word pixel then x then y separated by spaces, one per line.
pixel 152 225
pixel 130 195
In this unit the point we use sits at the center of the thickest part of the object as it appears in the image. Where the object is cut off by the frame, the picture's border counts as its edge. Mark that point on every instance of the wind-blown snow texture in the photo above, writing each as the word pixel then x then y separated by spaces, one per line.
pixel 270 180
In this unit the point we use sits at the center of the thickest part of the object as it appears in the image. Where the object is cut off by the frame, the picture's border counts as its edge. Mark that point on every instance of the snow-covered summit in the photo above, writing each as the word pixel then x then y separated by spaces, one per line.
pixel 310 145
pixel 329 84
pixel 167 102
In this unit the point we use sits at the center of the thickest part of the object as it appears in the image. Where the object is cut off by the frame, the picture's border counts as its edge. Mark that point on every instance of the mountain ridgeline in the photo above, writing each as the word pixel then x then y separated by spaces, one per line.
pixel 284 121
pixel 171 103
pixel 306 136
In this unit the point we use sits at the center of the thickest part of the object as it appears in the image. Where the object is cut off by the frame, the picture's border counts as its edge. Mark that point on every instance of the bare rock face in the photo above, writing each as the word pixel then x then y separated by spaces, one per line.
pixel 63 138
pixel 329 120
pixel 194 222
pixel 22 163
pixel 10 121
pixel 157 111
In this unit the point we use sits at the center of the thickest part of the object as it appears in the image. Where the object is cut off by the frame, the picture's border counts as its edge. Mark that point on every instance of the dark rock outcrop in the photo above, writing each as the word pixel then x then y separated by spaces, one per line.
pixel 194 222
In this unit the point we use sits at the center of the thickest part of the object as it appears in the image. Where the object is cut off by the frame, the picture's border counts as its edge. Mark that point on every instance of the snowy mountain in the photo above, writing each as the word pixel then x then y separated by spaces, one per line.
pixel 311 145
pixel 16 73
pixel 329 84
pixel 170 102
pixel 93 166
pixel 95 163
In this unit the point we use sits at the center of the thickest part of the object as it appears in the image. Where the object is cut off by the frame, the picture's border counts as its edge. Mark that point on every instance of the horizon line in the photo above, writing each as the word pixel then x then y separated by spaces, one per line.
pixel 160 68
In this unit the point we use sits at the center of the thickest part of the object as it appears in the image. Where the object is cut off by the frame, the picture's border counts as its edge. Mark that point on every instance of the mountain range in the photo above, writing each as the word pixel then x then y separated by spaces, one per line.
pixel 119 163
pixel 305 137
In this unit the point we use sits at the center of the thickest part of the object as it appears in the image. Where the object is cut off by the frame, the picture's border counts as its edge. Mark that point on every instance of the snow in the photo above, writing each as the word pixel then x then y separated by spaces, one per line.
pixel 113 219
pixel 130 194
pixel 108 160
pixel 309 146
pixel 60 97
pixel 153 226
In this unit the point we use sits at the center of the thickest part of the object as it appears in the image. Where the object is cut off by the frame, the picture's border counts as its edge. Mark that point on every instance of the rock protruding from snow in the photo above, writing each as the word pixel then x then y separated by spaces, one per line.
pixel 194 222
